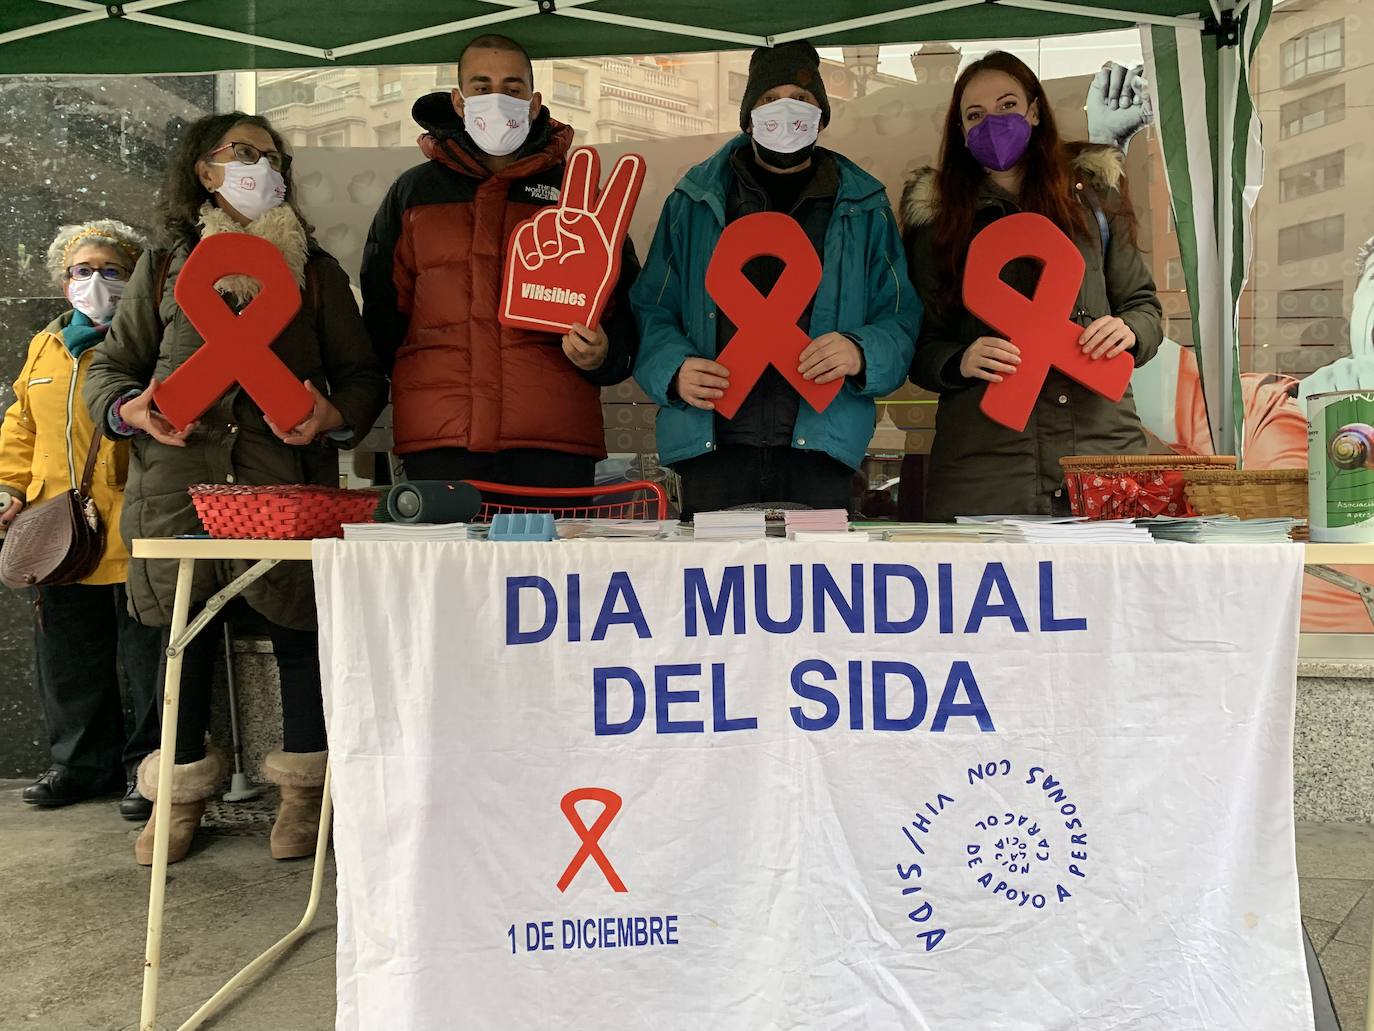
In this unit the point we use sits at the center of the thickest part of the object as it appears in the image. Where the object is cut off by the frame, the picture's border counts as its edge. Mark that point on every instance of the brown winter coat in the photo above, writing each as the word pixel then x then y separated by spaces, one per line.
pixel 326 344
pixel 977 466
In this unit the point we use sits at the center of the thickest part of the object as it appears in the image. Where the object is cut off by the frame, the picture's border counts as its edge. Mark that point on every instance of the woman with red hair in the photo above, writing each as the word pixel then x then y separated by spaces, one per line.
pixel 1001 155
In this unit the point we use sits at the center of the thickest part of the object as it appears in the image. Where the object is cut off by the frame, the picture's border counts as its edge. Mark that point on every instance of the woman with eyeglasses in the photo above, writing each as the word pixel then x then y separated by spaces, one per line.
pixel 80 629
pixel 231 174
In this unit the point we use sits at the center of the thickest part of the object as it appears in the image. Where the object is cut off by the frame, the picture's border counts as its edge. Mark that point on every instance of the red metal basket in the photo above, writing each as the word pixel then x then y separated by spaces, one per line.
pixel 280 512
pixel 641 499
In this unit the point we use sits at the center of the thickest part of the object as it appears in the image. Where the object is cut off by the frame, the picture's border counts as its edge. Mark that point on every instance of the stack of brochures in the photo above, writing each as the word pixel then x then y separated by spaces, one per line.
pixel 407 532
pixel 1221 530
pixel 729 526
pixel 641 529
pixel 817 524
pixel 1066 529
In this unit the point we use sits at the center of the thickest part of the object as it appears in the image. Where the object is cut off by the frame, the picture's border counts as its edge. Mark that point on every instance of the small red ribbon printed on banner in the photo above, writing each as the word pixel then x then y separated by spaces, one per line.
pixel 1039 326
pixel 766 327
pixel 591 837
pixel 237 349
pixel 562 264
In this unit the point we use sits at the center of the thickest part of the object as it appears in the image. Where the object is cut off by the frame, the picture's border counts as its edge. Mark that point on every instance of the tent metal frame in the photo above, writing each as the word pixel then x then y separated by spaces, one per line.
pixel 139 11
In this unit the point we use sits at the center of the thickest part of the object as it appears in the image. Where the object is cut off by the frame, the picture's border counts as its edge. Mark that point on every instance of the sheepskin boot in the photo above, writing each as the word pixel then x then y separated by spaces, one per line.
pixel 192 784
pixel 300 775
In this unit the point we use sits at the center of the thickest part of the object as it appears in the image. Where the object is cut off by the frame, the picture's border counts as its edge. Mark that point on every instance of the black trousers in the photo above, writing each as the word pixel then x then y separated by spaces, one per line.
pixel 298 667
pixel 518 467
pixel 735 474
pixel 82 633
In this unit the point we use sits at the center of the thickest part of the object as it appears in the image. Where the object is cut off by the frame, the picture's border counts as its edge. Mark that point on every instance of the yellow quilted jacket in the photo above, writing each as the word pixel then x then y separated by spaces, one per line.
pixel 46 437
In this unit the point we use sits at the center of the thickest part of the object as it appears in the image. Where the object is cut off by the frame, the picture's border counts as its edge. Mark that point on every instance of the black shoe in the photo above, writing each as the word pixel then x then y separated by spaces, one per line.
pixel 134 806
pixel 58 788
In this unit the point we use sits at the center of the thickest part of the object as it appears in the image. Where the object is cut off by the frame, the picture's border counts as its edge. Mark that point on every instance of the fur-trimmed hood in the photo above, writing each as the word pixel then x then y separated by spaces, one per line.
pixel 1102 166
pixel 280 227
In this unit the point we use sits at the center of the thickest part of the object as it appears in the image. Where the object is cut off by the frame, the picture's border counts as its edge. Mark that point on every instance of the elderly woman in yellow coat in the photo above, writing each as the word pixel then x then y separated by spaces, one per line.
pixel 81 628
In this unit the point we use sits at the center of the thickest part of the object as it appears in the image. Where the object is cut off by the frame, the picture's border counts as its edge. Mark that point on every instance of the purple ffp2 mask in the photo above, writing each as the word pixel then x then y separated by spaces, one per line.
pixel 998 142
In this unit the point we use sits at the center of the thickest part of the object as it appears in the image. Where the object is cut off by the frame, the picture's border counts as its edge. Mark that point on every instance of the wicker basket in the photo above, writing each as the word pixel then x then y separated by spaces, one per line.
pixel 1248 494
pixel 284 512
pixel 1133 486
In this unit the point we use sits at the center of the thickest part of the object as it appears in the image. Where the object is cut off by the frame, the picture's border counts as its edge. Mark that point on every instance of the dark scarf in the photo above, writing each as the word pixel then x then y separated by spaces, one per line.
pixel 81 334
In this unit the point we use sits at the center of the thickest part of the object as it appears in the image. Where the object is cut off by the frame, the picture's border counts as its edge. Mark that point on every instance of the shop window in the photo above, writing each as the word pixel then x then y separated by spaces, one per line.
pixel 1313 53
pixel 1312 239
pixel 1315 176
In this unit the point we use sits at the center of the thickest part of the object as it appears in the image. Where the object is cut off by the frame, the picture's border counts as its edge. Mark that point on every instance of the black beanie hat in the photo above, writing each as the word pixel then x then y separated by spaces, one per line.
pixel 787 64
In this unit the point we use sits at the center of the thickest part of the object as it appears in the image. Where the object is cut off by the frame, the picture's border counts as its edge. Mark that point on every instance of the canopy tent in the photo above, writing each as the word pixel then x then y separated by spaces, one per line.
pixel 1198 51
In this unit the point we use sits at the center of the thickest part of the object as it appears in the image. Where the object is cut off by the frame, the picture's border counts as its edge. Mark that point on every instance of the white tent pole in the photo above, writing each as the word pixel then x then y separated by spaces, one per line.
pixel 1082 11
pixel 517 9
pixel 875 19
pixel 695 31
pixel 213 32
pixel 1227 57
pixel 94 13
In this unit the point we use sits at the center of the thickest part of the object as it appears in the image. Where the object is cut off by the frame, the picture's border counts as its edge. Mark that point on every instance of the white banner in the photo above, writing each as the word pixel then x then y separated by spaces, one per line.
pixel 769 785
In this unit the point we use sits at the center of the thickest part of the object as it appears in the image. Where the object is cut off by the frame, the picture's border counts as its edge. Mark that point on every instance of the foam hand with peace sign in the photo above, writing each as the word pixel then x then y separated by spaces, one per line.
pixel 562 264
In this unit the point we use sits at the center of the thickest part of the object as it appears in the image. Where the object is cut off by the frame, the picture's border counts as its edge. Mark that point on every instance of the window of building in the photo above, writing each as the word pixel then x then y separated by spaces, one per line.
pixel 1312 112
pixel 1312 239
pixel 1314 52
pixel 1323 301
pixel 1315 176
pixel 567 89
pixel 330 139
pixel 737 84
pixel 390 89
pixel 389 135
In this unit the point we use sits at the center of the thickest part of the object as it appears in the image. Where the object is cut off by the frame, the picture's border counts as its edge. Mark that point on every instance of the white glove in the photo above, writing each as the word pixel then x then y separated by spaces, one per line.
pixel 1118 104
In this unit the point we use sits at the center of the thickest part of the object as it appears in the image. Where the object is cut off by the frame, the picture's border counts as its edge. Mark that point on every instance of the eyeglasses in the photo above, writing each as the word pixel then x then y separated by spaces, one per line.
pixel 109 273
pixel 250 155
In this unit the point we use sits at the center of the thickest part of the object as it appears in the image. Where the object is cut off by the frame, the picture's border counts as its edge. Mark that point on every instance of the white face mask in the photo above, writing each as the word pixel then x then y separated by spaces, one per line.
pixel 497 123
pixel 253 190
pixel 786 126
pixel 95 298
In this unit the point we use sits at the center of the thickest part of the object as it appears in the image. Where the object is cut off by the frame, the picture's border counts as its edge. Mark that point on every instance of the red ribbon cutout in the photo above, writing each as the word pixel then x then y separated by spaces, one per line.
pixel 1040 325
pixel 591 837
pixel 237 349
pixel 766 327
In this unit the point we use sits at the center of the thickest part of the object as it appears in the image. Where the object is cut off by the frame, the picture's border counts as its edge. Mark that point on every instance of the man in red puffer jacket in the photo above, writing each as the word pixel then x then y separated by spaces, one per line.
pixel 474 399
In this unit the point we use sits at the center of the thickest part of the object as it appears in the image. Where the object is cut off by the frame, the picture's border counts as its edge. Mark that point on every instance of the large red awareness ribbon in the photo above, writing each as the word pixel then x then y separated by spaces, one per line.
pixel 237 349
pixel 1040 325
pixel 766 327
pixel 591 837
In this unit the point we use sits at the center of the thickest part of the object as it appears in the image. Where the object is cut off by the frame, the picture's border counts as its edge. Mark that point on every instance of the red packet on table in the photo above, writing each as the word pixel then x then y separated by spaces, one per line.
pixel 766 327
pixel 1040 325
pixel 237 349
pixel 562 264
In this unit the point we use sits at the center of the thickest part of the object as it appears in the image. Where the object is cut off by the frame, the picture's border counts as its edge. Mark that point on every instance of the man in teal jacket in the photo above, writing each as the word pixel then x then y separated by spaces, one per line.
pixel 862 322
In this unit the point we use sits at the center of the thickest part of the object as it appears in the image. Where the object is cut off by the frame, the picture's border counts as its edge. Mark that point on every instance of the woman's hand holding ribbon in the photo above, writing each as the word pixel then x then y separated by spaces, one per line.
pixel 989 358
pixel 701 382
pixel 830 357
pixel 1107 337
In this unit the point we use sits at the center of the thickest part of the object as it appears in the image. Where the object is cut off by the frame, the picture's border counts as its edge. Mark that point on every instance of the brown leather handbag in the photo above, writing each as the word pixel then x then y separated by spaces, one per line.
pixel 58 541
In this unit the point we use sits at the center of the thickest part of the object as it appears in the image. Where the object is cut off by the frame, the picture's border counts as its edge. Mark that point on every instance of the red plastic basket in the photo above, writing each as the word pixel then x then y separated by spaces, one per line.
pixel 641 499
pixel 280 512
